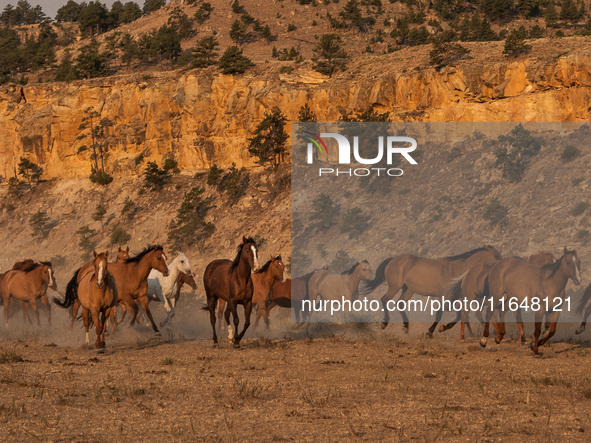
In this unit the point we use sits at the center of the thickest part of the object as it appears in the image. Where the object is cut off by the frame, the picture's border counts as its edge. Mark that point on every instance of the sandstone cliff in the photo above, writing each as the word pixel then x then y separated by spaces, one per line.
pixel 201 117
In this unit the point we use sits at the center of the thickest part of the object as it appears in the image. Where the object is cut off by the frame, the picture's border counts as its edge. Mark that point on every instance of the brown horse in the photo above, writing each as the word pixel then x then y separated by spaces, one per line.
pixel 514 278
pixel 97 294
pixel 180 281
pixel 262 280
pixel 231 281
pixel 19 266
pixel 330 286
pixel 424 276
pixel 27 286
pixel 122 255
pixel 470 286
pixel 583 302
pixel 131 277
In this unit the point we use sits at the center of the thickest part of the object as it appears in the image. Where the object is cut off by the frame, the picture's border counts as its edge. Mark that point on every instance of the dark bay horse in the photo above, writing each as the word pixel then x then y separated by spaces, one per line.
pixel 131 277
pixel 515 278
pixel 424 276
pixel 262 280
pixel 231 281
pixel 470 286
pixel 27 286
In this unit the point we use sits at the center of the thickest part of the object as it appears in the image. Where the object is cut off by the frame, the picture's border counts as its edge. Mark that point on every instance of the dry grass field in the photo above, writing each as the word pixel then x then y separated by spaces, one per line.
pixel 317 382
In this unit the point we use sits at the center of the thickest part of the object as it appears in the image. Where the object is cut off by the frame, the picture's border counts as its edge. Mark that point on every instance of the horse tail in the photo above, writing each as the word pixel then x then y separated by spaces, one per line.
pixel 370 285
pixel 455 290
pixel 584 299
pixel 71 292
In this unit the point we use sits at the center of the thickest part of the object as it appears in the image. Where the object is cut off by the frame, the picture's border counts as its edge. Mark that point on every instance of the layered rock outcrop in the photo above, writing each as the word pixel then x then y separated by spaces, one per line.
pixel 205 118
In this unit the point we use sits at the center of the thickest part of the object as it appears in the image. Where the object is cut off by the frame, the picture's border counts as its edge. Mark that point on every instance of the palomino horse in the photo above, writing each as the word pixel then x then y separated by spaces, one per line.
pixel 96 293
pixel 131 277
pixel 231 281
pixel 583 302
pixel 425 276
pixel 470 286
pixel 330 286
pixel 262 280
pixel 27 286
pixel 515 278
pixel 163 288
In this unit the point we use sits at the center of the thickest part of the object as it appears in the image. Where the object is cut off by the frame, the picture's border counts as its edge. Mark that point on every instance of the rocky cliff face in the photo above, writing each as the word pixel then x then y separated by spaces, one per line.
pixel 202 118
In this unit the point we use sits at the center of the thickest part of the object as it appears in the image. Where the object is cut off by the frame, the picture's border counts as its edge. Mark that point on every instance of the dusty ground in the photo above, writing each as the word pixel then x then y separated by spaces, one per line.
pixel 314 383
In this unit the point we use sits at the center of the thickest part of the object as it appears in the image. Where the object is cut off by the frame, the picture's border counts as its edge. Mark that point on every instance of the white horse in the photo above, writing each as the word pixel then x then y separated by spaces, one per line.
pixel 163 288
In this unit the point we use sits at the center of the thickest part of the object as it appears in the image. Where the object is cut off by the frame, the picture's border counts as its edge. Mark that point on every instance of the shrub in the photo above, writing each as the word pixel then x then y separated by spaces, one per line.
pixel 129 207
pixel 233 62
pixel 214 176
pixel 235 187
pixel 324 213
pixel 100 177
pixel 119 236
pixel 154 177
pixel 580 208
pixel 570 152
pixel 354 223
pixel 495 213
pixel 189 225
pixel 39 223
pixel 341 262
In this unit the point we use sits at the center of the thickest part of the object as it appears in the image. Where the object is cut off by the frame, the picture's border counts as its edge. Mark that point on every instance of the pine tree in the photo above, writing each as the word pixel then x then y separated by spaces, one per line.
pixel 205 52
pixel 551 15
pixel 329 49
pixel 233 62
pixel 268 143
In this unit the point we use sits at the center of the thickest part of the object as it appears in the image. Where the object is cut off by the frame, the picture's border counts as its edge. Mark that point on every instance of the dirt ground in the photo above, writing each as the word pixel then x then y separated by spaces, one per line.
pixel 317 382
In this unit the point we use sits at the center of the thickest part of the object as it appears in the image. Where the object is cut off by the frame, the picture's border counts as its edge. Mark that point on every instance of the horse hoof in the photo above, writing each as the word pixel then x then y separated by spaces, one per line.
pixel 383 325
pixel 405 329
pixel 580 330
pixel 429 335
pixel 498 340
pixel 483 342
pixel 236 345
pixel 442 328
pixel 216 346
pixel 100 351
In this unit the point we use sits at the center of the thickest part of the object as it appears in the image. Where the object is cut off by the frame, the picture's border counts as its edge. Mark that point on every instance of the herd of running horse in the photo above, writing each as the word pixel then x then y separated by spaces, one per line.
pixel 130 283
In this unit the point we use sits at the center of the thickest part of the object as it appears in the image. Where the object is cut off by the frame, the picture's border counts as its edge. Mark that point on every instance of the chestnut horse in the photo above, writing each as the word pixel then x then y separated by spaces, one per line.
pixel 97 294
pixel 19 266
pixel 131 277
pixel 231 281
pixel 27 286
pixel 515 278
pixel 184 278
pixel 262 280
pixel 470 286
pixel 425 276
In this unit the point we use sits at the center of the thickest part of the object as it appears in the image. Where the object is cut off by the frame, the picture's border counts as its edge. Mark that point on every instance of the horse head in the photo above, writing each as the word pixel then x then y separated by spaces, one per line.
pixel 47 275
pixel 249 253
pixel 364 268
pixel 182 263
pixel 158 260
pixel 278 268
pixel 496 255
pixel 122 254
pixel 100 267
pixel 573 264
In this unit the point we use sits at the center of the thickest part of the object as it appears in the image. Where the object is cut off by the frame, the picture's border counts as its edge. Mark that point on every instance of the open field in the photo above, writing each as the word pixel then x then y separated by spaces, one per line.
pixel 318 382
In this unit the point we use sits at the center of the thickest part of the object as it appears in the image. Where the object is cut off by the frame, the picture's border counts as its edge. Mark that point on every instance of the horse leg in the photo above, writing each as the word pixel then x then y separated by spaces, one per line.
pixel 211 307
pixel 485 333
pixel 450 325
pixel 258 317
pixel 519 319
pixel 86 321
pixel 45 301
pixel 537 331
pixel 36 311
pixel 143 301
pixel 500 327
pixel 551 321
pixel 227 318
pixel 267 314
pixel 406 296
pixel 75 308
pixel 434 325
pixel 25 309
pixel 221 306
pixel 133 311
pixel 578 331
pixel 98 327
pixel 247 311
pixel 389 295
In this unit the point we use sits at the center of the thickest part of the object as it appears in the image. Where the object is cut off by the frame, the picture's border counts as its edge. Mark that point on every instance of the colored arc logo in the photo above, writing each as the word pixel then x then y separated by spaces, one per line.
pixel 315 140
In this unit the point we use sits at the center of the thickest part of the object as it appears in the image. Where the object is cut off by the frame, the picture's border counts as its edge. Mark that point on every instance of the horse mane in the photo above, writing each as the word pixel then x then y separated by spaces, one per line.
pixel 553 267
pixel 350 271
pixel 465 255
pixel 239 251
pixel 46 263
pixel 264 267
pixel 33 266
pixel 146 250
